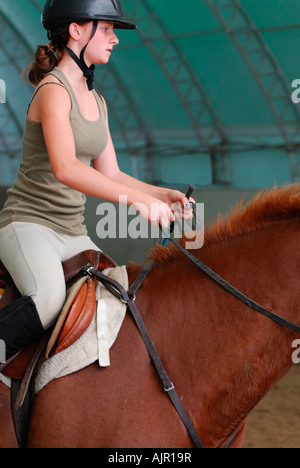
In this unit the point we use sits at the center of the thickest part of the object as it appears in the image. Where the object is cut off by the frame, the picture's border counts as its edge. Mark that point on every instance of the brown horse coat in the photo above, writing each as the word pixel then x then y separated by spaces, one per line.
pixel 222 356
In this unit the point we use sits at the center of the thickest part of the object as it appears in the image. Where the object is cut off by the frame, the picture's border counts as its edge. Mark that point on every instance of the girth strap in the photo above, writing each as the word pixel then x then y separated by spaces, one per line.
pixel 128 297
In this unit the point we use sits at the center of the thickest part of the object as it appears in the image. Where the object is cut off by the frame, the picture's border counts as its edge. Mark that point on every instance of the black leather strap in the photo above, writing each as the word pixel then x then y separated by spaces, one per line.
pixel 167 384
pixel 232 290
pixel 128 297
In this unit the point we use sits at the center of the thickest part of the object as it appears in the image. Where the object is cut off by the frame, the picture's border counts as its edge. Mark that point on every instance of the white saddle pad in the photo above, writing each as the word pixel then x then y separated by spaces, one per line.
pixel 94 345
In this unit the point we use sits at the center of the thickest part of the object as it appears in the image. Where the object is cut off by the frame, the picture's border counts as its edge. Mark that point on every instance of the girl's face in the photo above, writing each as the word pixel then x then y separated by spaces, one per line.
pixel 100 47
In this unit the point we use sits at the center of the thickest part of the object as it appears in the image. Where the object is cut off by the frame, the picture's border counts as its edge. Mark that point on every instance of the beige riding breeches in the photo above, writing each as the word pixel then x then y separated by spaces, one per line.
pixel 33 255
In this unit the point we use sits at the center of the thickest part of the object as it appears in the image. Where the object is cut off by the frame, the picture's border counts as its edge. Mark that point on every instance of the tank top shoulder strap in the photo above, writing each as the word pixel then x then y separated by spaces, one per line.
pixel 101 102
pixel 37 90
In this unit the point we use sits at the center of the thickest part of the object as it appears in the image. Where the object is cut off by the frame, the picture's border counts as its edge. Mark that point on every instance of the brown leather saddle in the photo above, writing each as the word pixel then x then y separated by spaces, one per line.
pixel 76 315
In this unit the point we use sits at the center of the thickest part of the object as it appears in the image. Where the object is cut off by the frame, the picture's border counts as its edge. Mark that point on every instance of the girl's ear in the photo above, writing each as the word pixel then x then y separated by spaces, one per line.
pixel 74 31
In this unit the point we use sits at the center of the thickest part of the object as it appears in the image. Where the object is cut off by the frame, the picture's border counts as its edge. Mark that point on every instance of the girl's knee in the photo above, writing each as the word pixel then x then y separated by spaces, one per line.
pixel 49 305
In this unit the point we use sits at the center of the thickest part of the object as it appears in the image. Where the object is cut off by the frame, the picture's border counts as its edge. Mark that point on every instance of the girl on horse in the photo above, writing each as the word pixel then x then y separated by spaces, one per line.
pixel 67 153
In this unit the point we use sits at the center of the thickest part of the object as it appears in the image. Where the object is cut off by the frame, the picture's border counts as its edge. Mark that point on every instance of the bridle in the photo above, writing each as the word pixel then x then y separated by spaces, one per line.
pixel 129 298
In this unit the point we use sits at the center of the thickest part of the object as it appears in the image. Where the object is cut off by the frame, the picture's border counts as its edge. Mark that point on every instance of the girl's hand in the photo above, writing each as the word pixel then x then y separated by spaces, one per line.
pixel 180 205
pixel 155 211
pixel 163 212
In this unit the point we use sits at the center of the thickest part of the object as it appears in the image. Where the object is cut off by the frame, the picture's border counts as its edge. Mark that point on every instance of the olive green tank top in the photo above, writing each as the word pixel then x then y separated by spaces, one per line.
pixel 37 196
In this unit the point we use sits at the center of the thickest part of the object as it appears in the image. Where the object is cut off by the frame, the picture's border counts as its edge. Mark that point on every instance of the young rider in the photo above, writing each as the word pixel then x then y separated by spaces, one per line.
pixel 67 152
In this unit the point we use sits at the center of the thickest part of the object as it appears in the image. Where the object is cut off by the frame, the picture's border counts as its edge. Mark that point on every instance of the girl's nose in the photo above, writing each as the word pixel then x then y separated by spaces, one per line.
pixel 115 39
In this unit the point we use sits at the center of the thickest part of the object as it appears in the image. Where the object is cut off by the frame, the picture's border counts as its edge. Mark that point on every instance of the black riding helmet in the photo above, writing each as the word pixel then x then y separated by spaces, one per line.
pixel 59 14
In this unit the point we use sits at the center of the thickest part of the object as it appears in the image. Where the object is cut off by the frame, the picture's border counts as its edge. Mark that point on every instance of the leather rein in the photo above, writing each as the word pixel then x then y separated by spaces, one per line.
pixel 129 298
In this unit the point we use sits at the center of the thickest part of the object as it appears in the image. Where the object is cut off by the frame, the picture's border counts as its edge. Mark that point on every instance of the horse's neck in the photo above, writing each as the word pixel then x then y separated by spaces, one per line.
pixel 223 356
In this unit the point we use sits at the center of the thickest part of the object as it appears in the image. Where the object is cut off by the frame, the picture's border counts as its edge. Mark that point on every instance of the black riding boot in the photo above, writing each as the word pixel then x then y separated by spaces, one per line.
pixel 20 326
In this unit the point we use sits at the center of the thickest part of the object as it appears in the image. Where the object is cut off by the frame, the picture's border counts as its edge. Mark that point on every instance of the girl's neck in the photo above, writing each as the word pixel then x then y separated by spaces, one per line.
pixel 73 73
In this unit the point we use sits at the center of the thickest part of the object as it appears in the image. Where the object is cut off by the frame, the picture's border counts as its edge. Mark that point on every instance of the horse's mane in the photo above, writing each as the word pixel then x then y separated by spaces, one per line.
pixel 267 207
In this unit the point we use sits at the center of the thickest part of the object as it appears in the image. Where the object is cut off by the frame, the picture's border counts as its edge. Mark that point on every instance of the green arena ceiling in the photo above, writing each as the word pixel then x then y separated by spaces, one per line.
pixel 200 93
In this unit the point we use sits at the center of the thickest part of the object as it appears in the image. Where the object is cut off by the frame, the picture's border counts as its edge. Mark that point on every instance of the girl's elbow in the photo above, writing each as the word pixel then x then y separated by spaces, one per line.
pixel 60 174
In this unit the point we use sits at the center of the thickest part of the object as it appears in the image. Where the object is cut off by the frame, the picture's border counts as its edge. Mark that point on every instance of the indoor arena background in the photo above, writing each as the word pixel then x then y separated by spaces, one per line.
pixel 205 92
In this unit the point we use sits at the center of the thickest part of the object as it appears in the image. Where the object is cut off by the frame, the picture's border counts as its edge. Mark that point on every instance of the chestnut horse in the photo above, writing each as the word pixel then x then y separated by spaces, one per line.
pixel 222 356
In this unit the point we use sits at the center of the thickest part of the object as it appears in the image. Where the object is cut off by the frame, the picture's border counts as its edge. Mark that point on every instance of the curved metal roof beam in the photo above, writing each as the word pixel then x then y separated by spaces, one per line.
pixel 15 29
pixel 11 129
pixel 124 110
pixel 185 82
pixel 11 58
pixel 263 65
pixel 120 94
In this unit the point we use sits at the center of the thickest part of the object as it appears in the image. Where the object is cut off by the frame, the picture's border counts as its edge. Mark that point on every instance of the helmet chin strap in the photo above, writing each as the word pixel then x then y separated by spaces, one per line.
pixel 88 72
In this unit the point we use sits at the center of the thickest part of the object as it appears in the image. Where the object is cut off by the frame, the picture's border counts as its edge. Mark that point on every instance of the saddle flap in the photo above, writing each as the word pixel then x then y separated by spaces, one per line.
pixel 77 313
pixel 76 316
